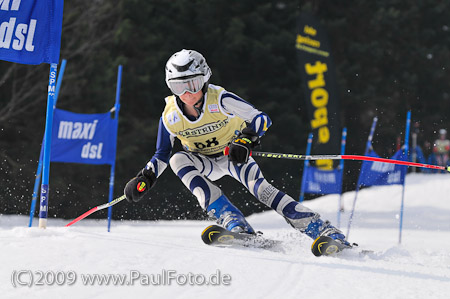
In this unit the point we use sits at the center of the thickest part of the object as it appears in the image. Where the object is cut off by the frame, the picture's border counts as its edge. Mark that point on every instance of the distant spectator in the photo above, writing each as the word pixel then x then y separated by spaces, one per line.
pixel 441 148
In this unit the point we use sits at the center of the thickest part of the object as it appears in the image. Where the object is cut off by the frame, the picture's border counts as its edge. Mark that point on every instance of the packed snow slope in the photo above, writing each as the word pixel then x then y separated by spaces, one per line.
pixel 146 251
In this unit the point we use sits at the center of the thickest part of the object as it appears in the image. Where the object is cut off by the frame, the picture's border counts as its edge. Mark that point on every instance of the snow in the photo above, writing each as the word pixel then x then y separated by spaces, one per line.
pixel 418 268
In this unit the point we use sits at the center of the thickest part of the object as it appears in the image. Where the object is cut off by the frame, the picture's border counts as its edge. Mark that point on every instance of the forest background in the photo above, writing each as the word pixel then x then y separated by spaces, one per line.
pixel 389 58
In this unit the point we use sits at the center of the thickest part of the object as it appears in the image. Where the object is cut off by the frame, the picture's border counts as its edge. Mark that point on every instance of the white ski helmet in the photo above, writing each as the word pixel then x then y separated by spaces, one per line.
pixel 442 131
pixel 187 70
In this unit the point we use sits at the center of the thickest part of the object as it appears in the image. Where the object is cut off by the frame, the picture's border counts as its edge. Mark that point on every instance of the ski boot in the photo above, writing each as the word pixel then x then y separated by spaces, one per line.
pixel 328 240
pixel 228 216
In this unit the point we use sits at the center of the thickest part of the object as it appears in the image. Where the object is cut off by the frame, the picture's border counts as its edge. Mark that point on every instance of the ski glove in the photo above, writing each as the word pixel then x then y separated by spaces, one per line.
pixel 240 148
pixel 138 186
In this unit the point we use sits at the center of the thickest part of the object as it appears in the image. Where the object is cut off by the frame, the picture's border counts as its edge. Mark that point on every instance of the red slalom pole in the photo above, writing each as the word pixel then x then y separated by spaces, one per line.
pixel 97 208
pixel 346 157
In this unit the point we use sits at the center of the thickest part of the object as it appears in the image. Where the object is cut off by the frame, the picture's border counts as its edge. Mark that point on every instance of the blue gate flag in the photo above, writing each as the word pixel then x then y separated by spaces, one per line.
pixel 323 181
pixel 30 31
pixel 378 173
pixel 83 138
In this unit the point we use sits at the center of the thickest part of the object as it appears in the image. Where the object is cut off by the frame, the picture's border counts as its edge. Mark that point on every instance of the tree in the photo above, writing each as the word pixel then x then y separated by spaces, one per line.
pixel 389 58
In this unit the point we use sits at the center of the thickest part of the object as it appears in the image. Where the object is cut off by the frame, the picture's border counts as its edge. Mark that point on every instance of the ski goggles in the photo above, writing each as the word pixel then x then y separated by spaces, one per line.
pixel 192 85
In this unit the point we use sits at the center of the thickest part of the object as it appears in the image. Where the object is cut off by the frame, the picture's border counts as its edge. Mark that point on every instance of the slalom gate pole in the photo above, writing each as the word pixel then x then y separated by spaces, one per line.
pixel 345 157
pixel 113 165
pixel 37 182
pixel 305 168
pixel 341 169
pixel 43 208
pixel 97 208
pixel 358 184
pixel 402 205
pixel 39 168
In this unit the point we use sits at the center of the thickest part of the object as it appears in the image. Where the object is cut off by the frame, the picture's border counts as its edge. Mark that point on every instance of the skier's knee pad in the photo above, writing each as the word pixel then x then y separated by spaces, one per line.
pixel 229 216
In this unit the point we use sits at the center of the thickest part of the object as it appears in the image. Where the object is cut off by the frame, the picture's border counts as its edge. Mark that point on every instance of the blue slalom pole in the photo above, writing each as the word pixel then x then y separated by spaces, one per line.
pixel 43 209
pixel 341 169
pixel 406 149
pixel 113 165
pixel 305 167
pixel 368 146
pixel 37 181
pixel 59 82
pixel 39 168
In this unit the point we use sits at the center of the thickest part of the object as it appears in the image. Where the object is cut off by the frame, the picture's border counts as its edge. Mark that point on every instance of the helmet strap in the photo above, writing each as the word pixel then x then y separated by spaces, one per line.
pixel 200 108
pixel 205 87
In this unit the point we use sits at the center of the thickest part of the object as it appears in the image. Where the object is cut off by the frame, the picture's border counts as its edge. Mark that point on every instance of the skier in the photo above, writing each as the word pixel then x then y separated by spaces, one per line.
pixel 209 120
pixel 441 148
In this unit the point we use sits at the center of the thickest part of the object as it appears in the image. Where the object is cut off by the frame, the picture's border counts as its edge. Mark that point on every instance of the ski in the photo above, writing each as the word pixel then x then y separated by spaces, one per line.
pixel 327 246
pixel 218 236
pixel 215 235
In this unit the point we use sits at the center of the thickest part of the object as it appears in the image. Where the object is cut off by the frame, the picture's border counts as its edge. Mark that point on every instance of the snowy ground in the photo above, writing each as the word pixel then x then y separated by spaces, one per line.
pixel 172 251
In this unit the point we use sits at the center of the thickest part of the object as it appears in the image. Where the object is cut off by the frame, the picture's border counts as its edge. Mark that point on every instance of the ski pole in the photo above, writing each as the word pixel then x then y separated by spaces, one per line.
pixel 97 208
pixel 346 157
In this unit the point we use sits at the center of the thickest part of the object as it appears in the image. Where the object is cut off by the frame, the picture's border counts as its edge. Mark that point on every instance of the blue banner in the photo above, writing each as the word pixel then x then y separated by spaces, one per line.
pixel 379 173
pixel 323 181
pixel 83 138
pixel 30 31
